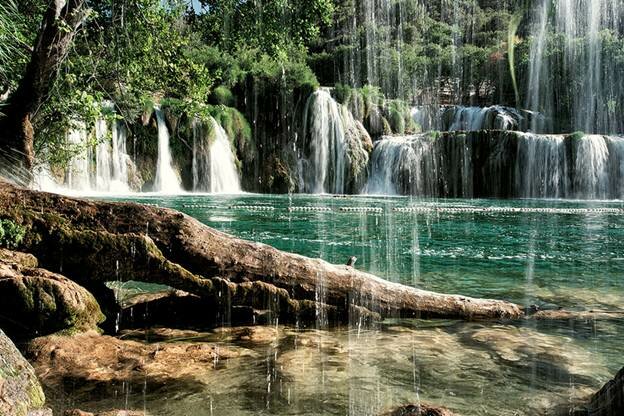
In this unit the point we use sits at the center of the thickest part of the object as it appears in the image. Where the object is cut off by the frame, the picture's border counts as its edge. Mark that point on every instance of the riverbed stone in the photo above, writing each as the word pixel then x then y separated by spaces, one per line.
pixel 89 366
pixel 20 391
pixel 551 356
pixel 419 410
pixel 36 302
pixel 78 412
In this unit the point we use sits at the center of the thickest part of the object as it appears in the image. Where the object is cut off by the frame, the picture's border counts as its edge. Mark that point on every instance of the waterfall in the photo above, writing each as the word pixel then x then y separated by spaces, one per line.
pixel 323 169
pixel 78 171
pixel 102 156
pixel 332 153
pixel 541 167
pixel 592 179
pixel 403 165
pixel 460 118
pixel 499 164
pixel 579 86
pixel 166 179
pixel 111 161
pixel 120 159
pixel 102 167
pixel 214 164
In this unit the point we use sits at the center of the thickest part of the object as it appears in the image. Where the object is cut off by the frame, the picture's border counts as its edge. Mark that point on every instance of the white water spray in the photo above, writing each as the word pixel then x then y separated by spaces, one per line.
pixel 166 180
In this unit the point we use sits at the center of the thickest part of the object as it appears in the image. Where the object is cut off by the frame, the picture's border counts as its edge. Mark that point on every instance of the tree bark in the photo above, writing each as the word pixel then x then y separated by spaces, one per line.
pixel 92 241
pixel 60 24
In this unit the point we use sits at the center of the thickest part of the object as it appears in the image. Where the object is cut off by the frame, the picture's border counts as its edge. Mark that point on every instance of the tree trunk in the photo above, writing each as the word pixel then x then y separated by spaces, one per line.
pixel 60 24
pixel 92 241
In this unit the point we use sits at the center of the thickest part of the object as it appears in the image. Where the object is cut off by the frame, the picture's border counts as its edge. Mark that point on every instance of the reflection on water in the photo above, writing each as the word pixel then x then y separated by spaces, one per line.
pixel 551 259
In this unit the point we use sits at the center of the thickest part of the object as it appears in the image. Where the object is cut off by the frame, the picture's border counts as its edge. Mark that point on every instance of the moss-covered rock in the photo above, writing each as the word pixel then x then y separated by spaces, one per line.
pixel 37 302
pixel 20 391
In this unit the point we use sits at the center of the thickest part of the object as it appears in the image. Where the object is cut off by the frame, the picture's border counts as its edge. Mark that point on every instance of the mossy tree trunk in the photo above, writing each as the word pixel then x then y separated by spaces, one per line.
pixel 93 241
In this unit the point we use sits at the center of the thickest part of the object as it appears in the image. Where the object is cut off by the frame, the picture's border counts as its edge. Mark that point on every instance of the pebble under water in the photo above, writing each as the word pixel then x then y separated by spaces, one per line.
pixel 550 253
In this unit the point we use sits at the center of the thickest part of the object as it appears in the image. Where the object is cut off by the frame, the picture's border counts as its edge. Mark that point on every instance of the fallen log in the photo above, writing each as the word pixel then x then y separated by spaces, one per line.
pixel 94 241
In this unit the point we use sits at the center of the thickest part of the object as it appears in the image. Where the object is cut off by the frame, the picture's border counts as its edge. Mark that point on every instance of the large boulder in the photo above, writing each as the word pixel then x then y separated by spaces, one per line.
pixel 20 391
pixel 36 302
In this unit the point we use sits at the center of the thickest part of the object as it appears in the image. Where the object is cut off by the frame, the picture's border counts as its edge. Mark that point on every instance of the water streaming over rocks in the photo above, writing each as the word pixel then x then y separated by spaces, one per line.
pixel 461 118
pixel 214 164
pixel 333 158
pixel 499 164
pixel 166 180
pixel 102 167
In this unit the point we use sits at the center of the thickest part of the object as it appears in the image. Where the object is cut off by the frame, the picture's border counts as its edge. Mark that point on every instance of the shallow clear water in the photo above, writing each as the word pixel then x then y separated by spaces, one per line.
pixel 552 259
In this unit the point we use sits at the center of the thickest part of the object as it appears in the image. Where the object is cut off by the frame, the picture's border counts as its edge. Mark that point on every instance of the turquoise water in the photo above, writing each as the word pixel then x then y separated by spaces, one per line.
pixel 543 255
pixel 520 257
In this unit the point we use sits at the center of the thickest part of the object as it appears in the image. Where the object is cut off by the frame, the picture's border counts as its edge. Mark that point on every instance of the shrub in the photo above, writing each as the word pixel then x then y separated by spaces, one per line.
pixel 222 96
pixel 11 234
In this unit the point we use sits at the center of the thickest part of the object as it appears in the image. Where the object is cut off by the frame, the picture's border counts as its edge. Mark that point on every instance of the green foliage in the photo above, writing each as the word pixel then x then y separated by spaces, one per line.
pixel 275 27
pixel 342 93
pixel 11 233
pixel 11 26
pixel 222 96
pixel 400 118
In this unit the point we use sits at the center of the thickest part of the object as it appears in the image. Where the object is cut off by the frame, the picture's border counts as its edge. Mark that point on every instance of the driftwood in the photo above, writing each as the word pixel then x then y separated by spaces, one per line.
pixel 93 242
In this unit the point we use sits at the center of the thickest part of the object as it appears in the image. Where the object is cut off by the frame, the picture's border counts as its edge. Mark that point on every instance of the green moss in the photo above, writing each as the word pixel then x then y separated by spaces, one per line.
pixel 387 129
pixel 342 93
pixel 577 135
pixel 222 96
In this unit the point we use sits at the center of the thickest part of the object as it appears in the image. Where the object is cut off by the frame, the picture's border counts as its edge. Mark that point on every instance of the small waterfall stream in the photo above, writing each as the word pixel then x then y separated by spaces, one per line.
pixel 103 168
pixel 78 172
pixel 332 158
pixel 323 168
pixel 214 167
pixel 166 179
pixel 507 165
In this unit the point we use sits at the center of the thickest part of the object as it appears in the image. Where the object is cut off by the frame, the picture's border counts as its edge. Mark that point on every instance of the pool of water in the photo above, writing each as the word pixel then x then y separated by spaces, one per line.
pixel 533 252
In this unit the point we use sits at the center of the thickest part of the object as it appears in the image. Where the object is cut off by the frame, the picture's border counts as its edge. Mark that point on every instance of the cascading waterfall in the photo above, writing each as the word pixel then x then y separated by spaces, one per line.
pixel 408 158
pixel 459 118
pixel 214 163
pixel 120 158
pixel 100 169
pixel 166 179
pixel 585 73
pixel 505 164
pixel 541 167
pixel 323 168
pixel 78 170
pixel 111 163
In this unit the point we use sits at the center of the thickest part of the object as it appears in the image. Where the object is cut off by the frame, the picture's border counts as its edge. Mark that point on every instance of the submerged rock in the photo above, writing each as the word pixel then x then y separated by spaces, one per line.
pixel 20 391
pixel 90 366
pixel 77 412
pixel 419 410
pixel 551 356
pixel 36 302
